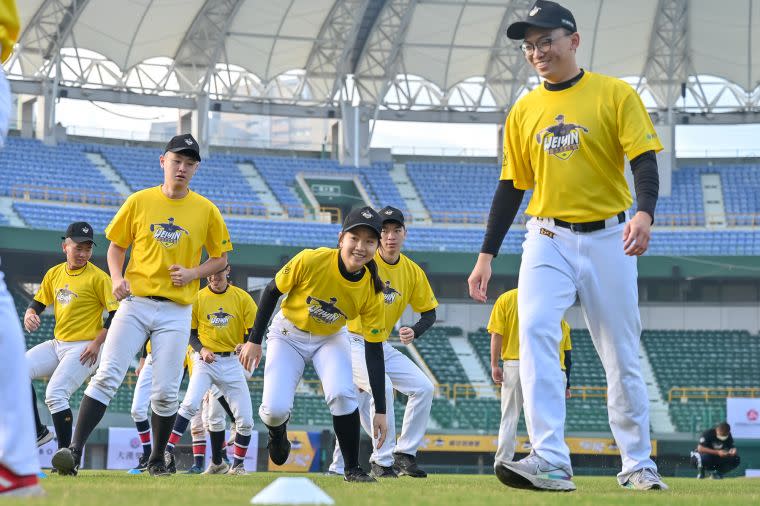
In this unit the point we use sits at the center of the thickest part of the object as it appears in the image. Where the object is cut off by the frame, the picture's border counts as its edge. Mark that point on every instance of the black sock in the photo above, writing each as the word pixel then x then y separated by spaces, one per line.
pixel 62 421
pixel 90 414
pixel 162 429
pixel 40 427
pixel 226 407
pixel 347 431
pixel 217 441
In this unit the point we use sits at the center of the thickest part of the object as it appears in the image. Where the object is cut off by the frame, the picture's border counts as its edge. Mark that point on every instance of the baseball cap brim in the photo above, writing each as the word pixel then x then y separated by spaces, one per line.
pixel 185 151
pixel 516 31
pixel 81 239
pixel 368 225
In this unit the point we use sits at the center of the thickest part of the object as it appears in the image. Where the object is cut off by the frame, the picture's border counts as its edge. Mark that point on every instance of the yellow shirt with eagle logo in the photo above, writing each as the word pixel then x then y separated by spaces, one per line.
pixel 163 232
pixel 79 298
pixel 223 319
pixel 405 284
pixel 568 146
pixel 320 300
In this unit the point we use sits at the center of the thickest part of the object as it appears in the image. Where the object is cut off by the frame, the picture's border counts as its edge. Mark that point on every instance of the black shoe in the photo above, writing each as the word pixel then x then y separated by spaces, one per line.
pixel 406 465
pixel 357 475
pixel 142 464
pixel 158 469
pixel 379 471
pixel 169 462
pixel 45 436
pixel 278 444
pixel 66 461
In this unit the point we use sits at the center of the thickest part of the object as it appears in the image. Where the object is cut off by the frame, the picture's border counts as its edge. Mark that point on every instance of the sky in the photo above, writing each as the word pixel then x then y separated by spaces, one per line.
pixel 133 122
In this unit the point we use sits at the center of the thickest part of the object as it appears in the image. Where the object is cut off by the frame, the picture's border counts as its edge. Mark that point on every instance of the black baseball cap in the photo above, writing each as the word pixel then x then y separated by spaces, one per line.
pixel 79 231
pixel 543 14
pixel 184 144
pixel 363 217
pixel 389 213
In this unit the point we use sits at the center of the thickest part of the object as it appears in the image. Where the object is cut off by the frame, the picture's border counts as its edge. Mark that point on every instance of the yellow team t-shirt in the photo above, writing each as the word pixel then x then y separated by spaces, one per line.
pixel 320 300
pixel 405 284
pixel 568 146
pixel 9 28
pixel 223 319
pixel 163 232
pixel 504 322
pixel 79 298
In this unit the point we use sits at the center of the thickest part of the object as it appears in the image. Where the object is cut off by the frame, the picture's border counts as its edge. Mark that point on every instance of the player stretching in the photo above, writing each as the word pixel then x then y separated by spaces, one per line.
pixel 405 284
pixel 157 292
pixel 19 464
pixel 308 328
pixel 580 242
pixel 223 316
pixel 79 292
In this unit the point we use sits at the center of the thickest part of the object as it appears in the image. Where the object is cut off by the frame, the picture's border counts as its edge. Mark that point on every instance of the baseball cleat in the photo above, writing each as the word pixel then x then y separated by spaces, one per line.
pixel 142 464
pixel 44 437
pixel 217 468
pixel 194 470
pixel 645 479
pixel 534 473
pixel 170 463
pixel 66 461
pixel 278 444
pixel 406 465
pixel 238 470
pixel 378 471
pixel 158 469
pixel 358 475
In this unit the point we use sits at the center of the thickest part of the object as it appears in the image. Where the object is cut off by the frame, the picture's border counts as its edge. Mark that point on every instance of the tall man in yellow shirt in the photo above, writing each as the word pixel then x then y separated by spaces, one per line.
pixel 79 292
pixel 167 227
pixel 505 345
pixel 567 140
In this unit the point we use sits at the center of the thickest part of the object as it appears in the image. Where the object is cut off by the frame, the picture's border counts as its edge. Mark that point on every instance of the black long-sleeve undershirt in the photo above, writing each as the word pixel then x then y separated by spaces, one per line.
pixel 375 357
pixel 568 366
pixel 195 341
pixel 267 304
pixel 37 306
pixel 506 201
pixel 427 319
pixel 646 181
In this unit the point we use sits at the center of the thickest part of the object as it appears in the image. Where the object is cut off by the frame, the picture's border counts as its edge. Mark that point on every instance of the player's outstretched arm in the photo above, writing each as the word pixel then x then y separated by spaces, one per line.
pixel 116 256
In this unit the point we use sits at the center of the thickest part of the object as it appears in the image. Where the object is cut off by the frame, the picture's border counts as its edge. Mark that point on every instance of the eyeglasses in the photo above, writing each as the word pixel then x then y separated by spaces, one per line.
pixel 542 45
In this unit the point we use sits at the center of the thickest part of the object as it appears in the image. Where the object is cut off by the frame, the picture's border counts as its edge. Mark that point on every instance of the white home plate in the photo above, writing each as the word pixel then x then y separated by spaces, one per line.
pixel 292 491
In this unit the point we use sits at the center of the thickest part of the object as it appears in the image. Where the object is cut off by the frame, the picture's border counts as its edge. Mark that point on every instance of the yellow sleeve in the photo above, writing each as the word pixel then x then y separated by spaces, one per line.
pixel 423 299
pixel 194 317
pixel 9 27
pixel 217 237
pixel 566 342
pixel 249 314
pixel 290 274
pixel 119 231
pixel 636 132
pixel 373 319
pixel 515 164
pixel 45 294
pixel 106 294
pixel 498 318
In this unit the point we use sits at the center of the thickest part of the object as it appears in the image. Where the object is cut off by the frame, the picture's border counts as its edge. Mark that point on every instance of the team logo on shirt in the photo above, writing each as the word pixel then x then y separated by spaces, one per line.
pixel 389 293
pixel 562 139
pixel 168 234
pixel 324 311
pixel 220 318
pixel 64 296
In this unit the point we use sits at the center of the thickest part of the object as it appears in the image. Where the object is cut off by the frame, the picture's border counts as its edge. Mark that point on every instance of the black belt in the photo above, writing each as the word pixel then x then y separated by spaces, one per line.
pixel 589 226
pixel 224 353
pixel 157 298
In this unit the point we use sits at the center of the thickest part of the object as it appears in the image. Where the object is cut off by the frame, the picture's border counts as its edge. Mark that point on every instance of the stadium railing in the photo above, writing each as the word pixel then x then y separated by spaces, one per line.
pixel 708 393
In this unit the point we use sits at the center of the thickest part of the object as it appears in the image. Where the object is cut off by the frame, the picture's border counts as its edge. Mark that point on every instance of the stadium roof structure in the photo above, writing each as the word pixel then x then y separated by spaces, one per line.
pixel 428 60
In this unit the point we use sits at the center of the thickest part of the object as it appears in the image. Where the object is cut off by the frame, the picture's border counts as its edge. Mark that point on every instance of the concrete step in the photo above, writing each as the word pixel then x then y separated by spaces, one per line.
pixel 409 193
pixel 261 188
pixel 110 173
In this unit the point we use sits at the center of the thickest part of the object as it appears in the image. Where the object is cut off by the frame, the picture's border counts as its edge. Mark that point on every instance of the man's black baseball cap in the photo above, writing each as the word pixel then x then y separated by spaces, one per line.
pixel 184 144
pixel 79 231
pixel 363 217
pixel 389 213
pixel 543 14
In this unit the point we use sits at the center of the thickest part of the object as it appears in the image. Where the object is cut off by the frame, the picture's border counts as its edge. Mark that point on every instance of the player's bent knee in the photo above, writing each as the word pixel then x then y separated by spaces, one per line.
pixel 343 403
pixel 425 389
pixel 165 407
pixel 244 427
pixel 56 402
pixel 274 415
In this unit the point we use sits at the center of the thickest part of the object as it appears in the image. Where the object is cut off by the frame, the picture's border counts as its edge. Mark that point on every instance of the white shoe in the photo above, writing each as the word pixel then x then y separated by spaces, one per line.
pixel 645 479
pixel 217 468
pixel 238 470
pixel 533 472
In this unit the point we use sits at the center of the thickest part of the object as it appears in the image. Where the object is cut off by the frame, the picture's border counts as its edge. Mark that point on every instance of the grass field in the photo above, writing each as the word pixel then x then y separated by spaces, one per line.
pixel 113 488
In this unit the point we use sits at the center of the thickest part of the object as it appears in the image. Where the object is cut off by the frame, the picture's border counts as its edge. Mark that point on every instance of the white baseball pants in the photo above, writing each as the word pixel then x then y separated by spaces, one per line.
pixel 288 351
pixel 556 266
pixel 141 395
pixel 18 449
pixel 59 360
pixel 228 375
pixel 511 406
pixel 167 324
pixel 400 374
